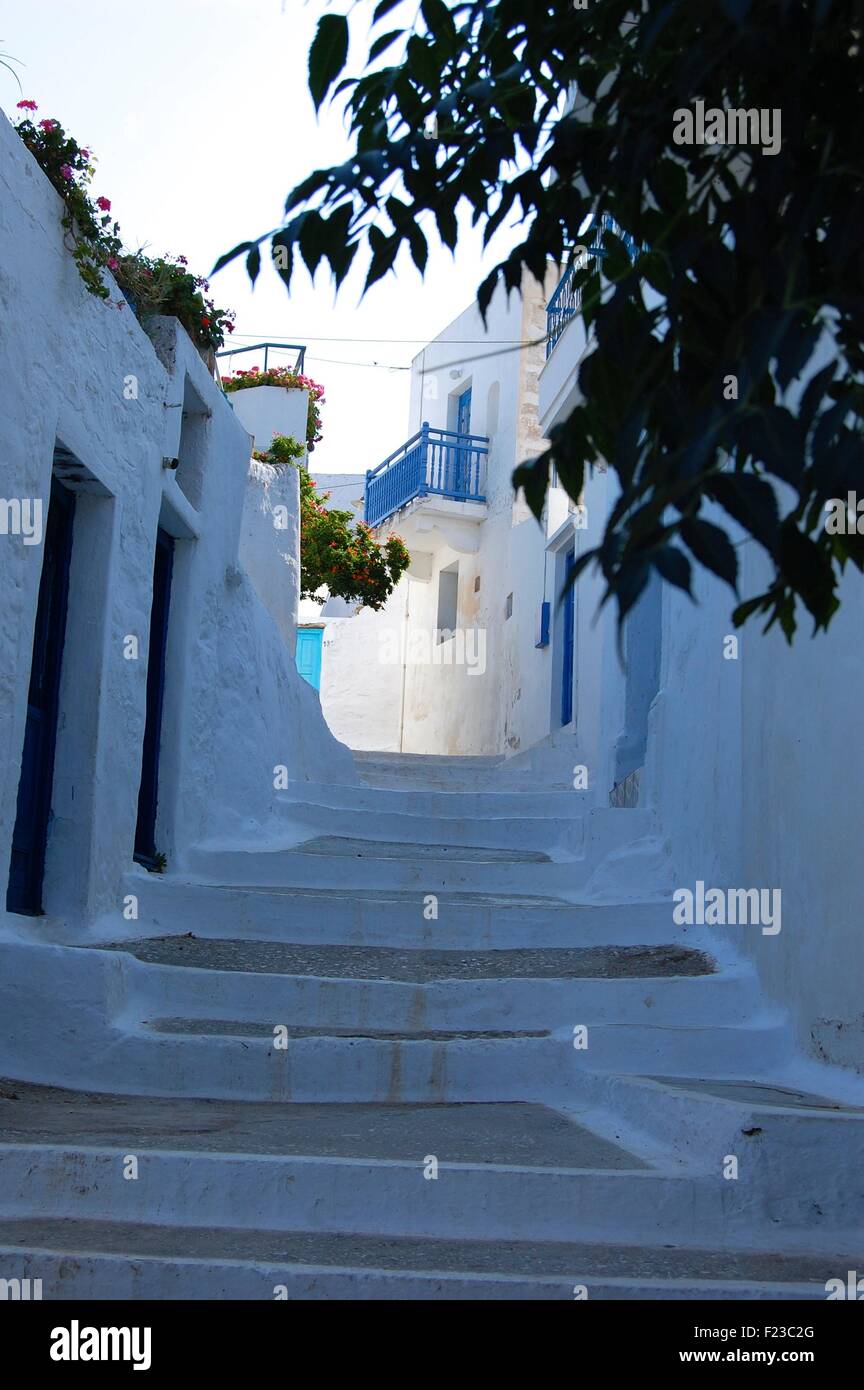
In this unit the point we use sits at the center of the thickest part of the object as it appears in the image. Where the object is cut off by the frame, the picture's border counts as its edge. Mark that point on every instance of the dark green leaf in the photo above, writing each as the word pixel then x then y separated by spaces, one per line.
pixel 327 56
pixel 752 502
pixel 379 46
pixel 712 548
pixel 533 479
pixel 674 566
pixel 230 256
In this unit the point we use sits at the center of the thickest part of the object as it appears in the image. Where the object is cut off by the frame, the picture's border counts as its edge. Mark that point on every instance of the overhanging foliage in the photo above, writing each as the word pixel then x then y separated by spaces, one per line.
pixel 554 112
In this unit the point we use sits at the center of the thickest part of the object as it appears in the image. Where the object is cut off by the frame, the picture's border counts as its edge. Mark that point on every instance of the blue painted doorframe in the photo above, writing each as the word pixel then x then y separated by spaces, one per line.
pixel 36 783
pixel 569 611
pixel 308 654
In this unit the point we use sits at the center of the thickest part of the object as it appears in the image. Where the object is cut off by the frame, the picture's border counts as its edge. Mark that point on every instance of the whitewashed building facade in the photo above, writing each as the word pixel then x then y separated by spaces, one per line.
pixel 482 570
pixel 139 469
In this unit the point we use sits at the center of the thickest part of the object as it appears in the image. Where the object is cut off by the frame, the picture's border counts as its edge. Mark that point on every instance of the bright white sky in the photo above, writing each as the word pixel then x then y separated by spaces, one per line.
pixel 200 116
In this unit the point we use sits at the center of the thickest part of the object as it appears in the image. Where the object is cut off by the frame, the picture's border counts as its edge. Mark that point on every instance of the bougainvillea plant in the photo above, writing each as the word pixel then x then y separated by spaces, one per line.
pixel 344 556
pixel 292 381
pixel 91 233
pixel 165 285
pixel 335 552
pixel 150 286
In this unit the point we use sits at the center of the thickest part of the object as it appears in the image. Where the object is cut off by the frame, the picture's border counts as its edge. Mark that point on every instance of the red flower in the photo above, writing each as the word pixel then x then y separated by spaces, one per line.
pixel 104 204
pixel 205 322
pixel 48 125
pixel 27 106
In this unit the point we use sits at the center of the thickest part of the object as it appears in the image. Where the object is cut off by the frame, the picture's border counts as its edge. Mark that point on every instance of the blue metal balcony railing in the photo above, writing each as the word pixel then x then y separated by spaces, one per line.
pixel 565 299
pixel 432 461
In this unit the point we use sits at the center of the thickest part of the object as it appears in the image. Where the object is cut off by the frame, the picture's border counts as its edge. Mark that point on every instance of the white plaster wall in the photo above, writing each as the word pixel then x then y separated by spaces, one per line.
pixel 270 542
pixel 802 817
pixel 235 705
pixel 268 410
pixel 361 682
pixel 755 764
pixel 751 765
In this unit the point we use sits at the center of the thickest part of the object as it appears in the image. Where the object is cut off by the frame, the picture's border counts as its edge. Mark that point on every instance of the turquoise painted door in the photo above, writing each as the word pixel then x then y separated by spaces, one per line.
pixel 308 654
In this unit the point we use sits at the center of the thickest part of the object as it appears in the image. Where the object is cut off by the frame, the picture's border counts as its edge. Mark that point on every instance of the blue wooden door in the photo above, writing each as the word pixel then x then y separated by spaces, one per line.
pixel 463 413
pixel 569 611
pixel 459 470
pixel 35 787
pixel 148 792
pixel 308 654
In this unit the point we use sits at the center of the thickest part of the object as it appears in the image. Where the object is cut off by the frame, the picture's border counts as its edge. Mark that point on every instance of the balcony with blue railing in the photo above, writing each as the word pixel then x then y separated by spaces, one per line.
pixel 565 300
pixel 438 463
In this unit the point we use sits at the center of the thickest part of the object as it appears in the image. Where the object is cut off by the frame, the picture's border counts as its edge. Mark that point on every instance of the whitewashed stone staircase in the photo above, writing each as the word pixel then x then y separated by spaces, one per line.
pixel 250 1087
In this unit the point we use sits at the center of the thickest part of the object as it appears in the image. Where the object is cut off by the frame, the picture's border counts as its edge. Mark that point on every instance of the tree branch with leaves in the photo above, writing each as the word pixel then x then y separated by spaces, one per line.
pixel 752 265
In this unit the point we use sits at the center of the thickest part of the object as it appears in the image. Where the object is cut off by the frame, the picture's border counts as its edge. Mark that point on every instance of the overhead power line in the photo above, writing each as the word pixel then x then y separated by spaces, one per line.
pixel 427 342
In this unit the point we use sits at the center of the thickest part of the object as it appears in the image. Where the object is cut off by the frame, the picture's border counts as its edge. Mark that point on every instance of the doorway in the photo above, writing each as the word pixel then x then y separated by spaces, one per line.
pixel 308 654
pixel 36 784
pixel 148 792
pixel 568 612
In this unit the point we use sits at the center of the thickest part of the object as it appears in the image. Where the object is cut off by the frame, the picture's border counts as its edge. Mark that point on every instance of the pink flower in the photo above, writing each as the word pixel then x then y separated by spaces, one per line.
pixel 104 204
pixel 66 171
pixel 27 106
pixel 85 154
pixel 49 125
pixel 112 263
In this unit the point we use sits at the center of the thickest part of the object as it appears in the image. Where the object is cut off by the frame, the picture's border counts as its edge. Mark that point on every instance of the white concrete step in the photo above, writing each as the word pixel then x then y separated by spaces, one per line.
pixel 379 868
pixel 366 1065
pixel 366 757
pixel 547 820
pixel 466 807
pixel 422 770
pixel 376 917
pixel 549 1005
pixel 785 1139
pixel 377 1025
pixel 607 853
pixel 120 1260
pixel 641 1011
pixel 188 1182
pixel 419 851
